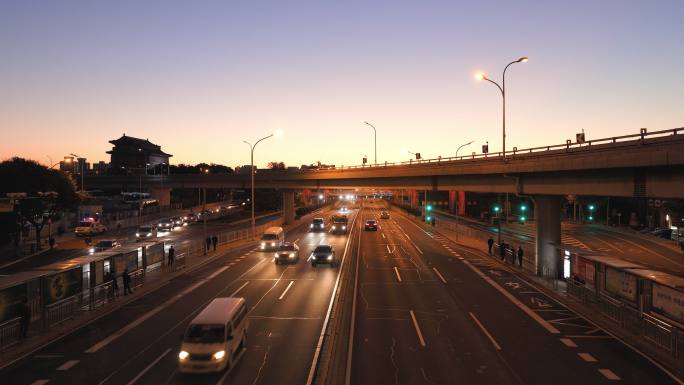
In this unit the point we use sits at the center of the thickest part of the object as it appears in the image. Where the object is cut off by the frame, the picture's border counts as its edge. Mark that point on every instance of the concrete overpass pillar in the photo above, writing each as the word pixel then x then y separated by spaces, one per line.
pixel 288 207
pixel 162 195
pixel 452 200
pixel 413 197
pixel 306 197
pixel 548 222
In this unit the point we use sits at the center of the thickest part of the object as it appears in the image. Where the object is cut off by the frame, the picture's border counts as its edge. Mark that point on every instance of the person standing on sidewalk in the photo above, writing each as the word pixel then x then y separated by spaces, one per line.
pixel 170 256
pixel 502 251
pixel 214 241
pixel 115 284
pixel 520 256
pixel 126 282
pixel 208 241
pixel 490 243
pixel 25 317
pixel 51 242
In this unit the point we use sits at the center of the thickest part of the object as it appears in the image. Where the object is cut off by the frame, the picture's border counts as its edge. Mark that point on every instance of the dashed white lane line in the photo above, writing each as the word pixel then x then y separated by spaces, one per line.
pixel 568 342
pixel 68 365
pixel 296 240
pixel 233 294
pixel 607 373
pixel 587 357
pixel 418 332
pixel 286 289
pixel 477 321
pixel 439 274
pixel 148 367
pixel 388 249
pixel 396 271
pixel 40 382
pixel 383 235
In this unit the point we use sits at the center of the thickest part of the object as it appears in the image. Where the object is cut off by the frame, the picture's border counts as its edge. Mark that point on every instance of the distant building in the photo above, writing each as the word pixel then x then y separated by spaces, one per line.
pixel 136 154
pixel 100 168
pixel 74 165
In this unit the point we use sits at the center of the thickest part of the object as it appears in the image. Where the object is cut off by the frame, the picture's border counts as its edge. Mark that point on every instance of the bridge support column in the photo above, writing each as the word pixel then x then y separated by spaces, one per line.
pixel 288 207
pixel 548 222
pixel 306 197
pixel 413 197
pixel 162 195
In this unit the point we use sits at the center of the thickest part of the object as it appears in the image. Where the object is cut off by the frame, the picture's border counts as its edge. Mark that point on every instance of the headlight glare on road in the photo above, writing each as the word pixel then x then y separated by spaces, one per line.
pixel 183 355
pixel 311 226
pixel 219 355
pixel 263 245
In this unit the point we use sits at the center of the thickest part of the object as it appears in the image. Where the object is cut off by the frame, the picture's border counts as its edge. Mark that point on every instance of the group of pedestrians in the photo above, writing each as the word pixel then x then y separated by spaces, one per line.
pixel 503 250
pixel 125 279
pixel 212 241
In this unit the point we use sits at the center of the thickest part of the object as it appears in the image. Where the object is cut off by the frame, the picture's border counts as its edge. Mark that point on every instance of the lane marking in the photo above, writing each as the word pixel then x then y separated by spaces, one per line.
pixel 396 271
pixel 388 249
pixel 48 356
pixel 607 373
pixel 568 342
pixel 415 325
pixel 148 367
pixel 286 289
pixel 383 235
pixel 439 275
pixel 233 294
pixel 587 357
pixel 68 365
pixel 515 301
pixel 40 382
pixel 217 272
pixel 350 344
pixel 477 321
pixel 296 240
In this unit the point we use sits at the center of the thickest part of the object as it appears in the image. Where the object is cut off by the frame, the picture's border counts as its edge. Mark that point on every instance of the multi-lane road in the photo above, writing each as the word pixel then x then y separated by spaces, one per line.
pixel 426 311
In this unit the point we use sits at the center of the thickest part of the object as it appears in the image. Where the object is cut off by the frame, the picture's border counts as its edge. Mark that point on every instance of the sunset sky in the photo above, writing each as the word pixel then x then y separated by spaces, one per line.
pixel 199 77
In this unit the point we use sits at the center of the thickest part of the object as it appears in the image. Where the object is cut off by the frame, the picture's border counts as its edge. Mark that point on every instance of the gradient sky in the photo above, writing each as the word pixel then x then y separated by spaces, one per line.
pixel 198 77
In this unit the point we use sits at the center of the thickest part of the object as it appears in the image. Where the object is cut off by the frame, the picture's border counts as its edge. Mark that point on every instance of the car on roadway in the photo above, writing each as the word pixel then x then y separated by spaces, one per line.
pixel 324 254
pixel 339 224
pixel 318 224
pixel 215 338
pixel 177 221
pixel 287 253
pixel 190 218
pixel 104 244
pixel 145 232
pixel 272 238
pixel 165 225
pixel 344 210
pixel 371 225
pixel 384 215
pixel 89 228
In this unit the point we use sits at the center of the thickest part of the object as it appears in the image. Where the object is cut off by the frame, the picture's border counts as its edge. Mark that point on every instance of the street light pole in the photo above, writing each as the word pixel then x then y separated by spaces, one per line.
pixel 375 141
pixel 251 171
pixel 502 88
pixel 463 145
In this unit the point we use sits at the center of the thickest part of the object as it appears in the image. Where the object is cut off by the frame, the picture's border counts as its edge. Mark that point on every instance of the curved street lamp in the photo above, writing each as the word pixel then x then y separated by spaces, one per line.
pixel 463 145
pixel 375 141
pixel 251 171
pixel 502 88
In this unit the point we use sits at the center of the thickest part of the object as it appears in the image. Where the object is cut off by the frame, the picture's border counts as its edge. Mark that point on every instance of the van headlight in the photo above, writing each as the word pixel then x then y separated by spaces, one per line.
pixel 333 227
pixel 91 250
pixel 344 227
pixel 137 234
pixel 292 255
pixel 182 355
pixel 263 245
pixel 219 355
pixel 272 243
pixel 149 234
pixel 311 226
pixel 329 257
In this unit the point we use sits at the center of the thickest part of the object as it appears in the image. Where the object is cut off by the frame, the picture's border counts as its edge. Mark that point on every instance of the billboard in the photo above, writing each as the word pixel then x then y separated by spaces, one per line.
pixel 63 285
pixel 621 284
pixel 668 302
pixel 584 270
pixel 10 300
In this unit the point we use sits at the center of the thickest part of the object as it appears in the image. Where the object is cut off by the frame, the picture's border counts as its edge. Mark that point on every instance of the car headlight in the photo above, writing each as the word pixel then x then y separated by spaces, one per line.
pixel 272 243
pixel 263 245
pixel 182 355
pixel 292 255
pixel 313 257
pixel 91 250
pixel 137 234
pixel 276 255
pixel 311 226
pixel 333 227
pixel 219 355
pixel 149 234
pixel 344 227
pixel 329 257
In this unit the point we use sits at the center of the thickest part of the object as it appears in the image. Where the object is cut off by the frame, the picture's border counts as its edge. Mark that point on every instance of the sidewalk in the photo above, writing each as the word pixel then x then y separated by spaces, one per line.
pixel 36 338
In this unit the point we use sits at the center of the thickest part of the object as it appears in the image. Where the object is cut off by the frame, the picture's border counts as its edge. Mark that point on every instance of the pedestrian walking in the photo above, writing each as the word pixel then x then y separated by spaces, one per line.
pixel 490 243
pixel 520 255
pixel 118 228
pixel 214 241
pixel 51 242
pixel 208 243
pixel 25 317
pixel 126 282
pixel 171 256
pixel 115 284
pixel 502 251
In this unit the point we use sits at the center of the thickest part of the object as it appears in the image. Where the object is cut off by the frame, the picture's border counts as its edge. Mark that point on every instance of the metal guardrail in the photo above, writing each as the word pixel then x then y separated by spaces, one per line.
pixel 660 333
pixel 10 331
pixel 61 311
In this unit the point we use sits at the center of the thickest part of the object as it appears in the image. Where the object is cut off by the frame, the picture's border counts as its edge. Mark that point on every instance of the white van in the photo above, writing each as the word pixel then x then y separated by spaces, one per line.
pixel 215 338
pixel 272 239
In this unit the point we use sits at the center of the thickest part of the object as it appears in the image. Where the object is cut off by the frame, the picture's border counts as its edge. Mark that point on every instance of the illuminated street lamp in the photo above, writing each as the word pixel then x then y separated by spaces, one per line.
pixel 251 171
pixel 502 88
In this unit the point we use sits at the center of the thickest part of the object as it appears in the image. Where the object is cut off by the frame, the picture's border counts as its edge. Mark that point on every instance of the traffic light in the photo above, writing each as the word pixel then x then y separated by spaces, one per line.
pixel 523 218
pixel 591 208
pixel 497 208
pixel 523 208
pixel 428 207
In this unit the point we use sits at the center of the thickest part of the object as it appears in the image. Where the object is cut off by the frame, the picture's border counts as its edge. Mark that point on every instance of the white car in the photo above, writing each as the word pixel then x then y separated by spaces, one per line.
pixel 86 229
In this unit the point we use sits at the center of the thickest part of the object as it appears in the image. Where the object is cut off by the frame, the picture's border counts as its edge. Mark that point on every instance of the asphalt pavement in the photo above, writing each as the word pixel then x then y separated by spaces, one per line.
pixel 434 312
pixel 139 343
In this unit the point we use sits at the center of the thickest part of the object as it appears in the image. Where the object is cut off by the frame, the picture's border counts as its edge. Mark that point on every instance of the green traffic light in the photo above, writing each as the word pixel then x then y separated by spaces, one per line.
pixel 428 218
pixel 591 218
pixel 429 207
pixel 497 208
pixel 591 207
pixel 523 208
pixel 523 219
